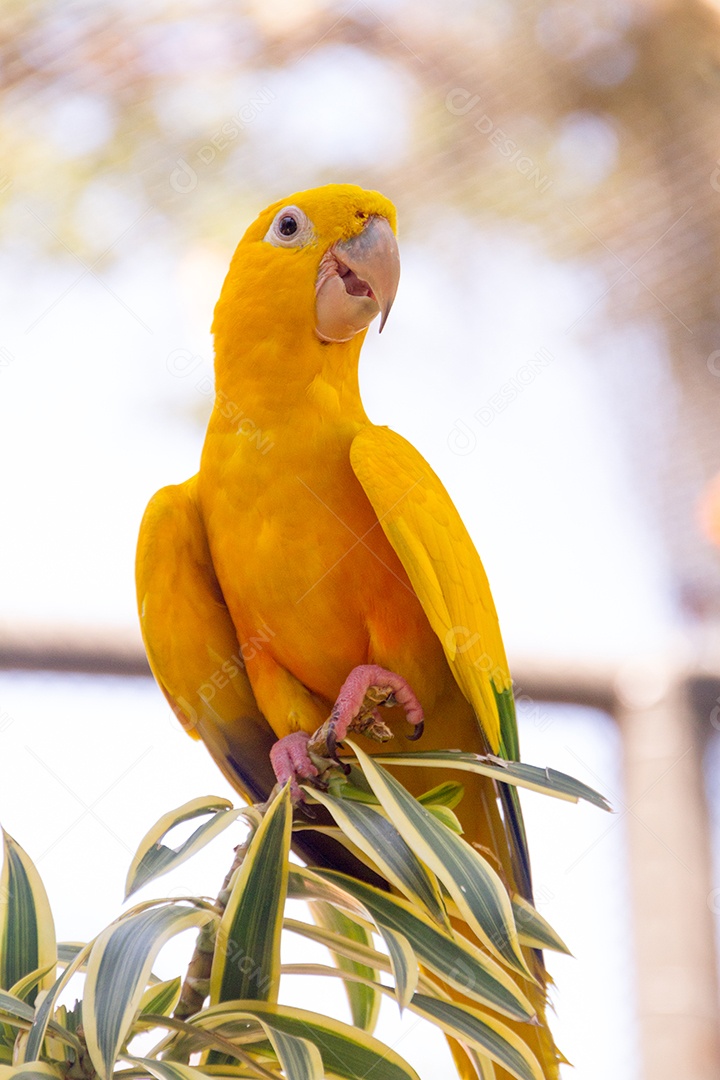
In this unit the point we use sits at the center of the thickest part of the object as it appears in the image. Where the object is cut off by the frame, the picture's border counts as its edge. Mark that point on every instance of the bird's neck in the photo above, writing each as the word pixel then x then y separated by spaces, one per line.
pixel 285 384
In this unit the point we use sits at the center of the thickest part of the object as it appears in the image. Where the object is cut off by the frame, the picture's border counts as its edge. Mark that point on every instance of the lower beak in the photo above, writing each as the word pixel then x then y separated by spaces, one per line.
pixel 373 255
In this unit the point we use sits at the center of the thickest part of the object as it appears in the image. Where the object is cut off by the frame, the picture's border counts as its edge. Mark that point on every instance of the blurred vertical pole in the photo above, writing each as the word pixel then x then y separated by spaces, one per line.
pixel 670 860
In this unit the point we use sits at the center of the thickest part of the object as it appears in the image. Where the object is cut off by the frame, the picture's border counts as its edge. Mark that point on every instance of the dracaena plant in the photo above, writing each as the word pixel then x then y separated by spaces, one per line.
pixel 447 941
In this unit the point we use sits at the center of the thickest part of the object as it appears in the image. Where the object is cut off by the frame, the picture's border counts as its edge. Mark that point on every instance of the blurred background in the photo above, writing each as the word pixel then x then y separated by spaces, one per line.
pixel 554 352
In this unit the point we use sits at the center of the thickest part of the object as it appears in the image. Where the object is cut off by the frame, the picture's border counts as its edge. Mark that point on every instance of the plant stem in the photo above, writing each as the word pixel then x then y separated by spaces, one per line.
pixel 197 980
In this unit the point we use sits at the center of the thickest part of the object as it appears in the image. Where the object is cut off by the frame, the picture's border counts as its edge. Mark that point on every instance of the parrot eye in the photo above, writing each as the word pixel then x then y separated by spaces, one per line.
pixel 291 228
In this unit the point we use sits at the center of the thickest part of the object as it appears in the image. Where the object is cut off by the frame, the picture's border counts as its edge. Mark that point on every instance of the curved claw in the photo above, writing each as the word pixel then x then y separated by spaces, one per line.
pixel 417 731
pixel 331 744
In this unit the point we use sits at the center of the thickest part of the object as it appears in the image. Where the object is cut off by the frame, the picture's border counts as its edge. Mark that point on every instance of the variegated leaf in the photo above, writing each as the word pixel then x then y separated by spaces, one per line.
pixel 44 1012
pixel 534 930
pixel 473 884
pixel 154 858
pixel 404 965
pixel 375 835
pixel 117 975
pixel 480 1031
pixel 27 930
pixel 454 959
pixel 246 962
pixel 161 998
pixel 546 781
pixel 363 1000
pixel 36 1071
pixel 346 1051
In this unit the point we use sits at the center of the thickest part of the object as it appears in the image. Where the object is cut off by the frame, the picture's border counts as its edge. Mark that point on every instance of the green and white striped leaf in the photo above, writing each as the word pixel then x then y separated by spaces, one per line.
pixel 378 838
pixel 68 950
pixel 404 965
pixel 163 1069
pixel 482 1032
pixel 364 1001
pixel 117 975
pixel 365 956
pixel 485 1034
pixel 246 963
pixel 161 998
pixel 447 794
pixel 23 987
pixel 483 1065
pixel 10 1005
pixel 168 1070
pixel 233 1070
pixel 12 1016
pixel 445 815
pixel 533 929
pixel 27 930
pixel 44 1012
pixel 187 1038
pixel 300 1059
pixel 346 1052
pixel 473 884
pixel 37 1071
pixel 401 961
pixel 354 951
pixel 546 781
pixel 153 858
pixel 304 884
pixel 455 960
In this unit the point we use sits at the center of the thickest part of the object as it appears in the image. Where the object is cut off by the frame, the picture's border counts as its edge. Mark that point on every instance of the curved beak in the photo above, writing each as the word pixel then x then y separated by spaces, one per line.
pixel 374 257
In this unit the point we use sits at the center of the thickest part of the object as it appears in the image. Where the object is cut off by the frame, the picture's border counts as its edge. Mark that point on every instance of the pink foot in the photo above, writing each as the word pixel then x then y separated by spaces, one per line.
pixel 367 686
pixel 290 759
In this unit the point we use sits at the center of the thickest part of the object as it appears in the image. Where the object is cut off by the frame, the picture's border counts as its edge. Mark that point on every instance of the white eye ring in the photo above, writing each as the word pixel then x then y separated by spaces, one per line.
pixel 281 233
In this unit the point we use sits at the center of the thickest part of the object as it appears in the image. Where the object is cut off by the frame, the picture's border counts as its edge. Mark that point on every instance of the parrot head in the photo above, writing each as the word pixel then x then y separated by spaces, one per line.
pixel 320 264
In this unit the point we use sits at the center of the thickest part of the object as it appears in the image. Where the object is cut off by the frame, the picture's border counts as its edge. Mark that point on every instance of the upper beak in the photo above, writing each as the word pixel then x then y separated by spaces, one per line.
pixel 374 256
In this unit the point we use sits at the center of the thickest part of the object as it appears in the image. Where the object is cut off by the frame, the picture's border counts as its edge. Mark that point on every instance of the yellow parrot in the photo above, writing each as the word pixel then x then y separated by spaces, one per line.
pixel 316 556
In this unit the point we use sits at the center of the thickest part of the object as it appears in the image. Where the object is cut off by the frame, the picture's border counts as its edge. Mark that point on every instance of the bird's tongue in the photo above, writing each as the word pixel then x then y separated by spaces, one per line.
pixel 354 285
